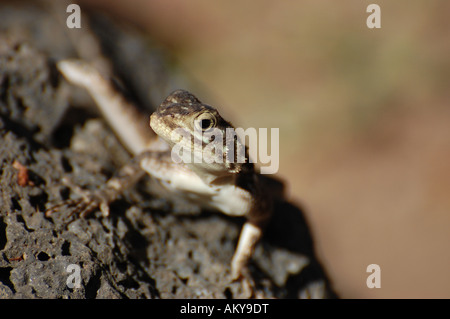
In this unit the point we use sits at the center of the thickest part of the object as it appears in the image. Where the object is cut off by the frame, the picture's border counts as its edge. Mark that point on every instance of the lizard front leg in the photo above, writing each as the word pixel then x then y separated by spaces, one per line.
pixel 249 237
pixel 251 233
pixel 257 220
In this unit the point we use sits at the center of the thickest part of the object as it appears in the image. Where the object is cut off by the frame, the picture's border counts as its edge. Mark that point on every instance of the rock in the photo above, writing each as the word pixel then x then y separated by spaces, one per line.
pixel 141 250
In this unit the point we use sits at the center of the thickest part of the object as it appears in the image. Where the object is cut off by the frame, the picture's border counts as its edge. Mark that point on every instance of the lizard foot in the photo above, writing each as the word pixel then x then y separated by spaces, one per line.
pixel 83 206
pixel 248 286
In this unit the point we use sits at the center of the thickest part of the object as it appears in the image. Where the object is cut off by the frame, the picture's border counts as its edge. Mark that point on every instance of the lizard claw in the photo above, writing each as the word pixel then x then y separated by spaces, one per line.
pixel 82 206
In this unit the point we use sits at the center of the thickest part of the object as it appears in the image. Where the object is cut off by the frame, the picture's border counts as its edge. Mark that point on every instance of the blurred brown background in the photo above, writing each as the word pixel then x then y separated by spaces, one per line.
pixel 364 118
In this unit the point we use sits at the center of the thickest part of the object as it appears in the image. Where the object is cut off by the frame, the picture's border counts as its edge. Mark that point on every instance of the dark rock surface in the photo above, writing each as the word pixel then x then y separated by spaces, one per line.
pixel 50 130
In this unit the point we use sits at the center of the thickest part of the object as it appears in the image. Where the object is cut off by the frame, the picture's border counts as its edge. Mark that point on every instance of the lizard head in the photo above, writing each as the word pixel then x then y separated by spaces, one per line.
pixel 199 136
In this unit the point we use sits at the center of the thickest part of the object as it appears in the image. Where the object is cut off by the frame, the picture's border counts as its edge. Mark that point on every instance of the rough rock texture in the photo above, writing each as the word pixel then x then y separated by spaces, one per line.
pixel 144 249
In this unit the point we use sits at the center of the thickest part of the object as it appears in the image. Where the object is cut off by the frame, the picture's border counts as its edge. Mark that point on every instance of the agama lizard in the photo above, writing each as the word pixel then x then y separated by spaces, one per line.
pixel 228 186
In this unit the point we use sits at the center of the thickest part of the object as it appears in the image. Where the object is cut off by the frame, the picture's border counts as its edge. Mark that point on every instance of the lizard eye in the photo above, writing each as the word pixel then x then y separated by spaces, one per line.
pixel 205 121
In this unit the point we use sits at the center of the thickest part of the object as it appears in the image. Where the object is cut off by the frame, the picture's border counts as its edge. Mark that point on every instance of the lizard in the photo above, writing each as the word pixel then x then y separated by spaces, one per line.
pixel 231 187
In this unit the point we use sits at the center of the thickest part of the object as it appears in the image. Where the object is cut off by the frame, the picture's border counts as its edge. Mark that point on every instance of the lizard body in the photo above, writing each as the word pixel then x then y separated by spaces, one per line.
pixel 230 187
